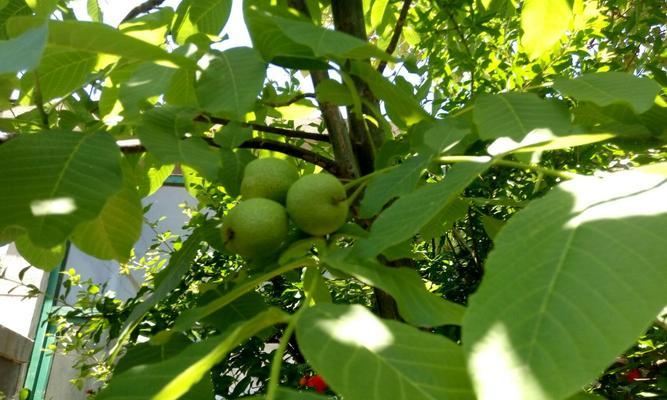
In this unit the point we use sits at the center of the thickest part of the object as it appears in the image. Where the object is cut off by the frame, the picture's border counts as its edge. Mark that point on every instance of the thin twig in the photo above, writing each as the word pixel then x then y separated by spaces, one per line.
pixel 298 152
pixel 269 129
pixel 398 29
pixel 141 9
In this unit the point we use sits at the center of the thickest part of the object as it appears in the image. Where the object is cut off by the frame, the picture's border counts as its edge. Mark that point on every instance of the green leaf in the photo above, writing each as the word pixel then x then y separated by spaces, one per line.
pixel 58 179
pixel 520 119
pixel 148 80
pixel 210 16
pixel 492 225
pixel 94 10
pixel 146 173
pixel 232 135
pixel 544 23
pixel 233 165
pixel 274 46
pixel 163 132
pixel 152 352
pixel 24 51
pixel 151 28
pixel 13 8
pixel 181 90
pixel 416 305
pixel 112 235
pixel 606 88
pixel 100 38
pixel 590 248
pixel 330 91
pixel 404 219
pixel 445 220
pixel 395 183
pixel 231 83
pixel 172 378
pixel 363 357
pixel 326 42
pixel 62 71
pixel 40 257
pixel 403 104
pixel 378 12
pixel 245 307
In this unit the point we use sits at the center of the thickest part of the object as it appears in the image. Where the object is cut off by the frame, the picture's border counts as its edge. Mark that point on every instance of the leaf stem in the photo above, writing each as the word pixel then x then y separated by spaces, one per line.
pixel 277 363
pixel 508 163
pixel 366 177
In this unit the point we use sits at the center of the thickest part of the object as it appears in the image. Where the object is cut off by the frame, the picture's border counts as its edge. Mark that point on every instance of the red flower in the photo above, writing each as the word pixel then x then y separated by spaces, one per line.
pixel 633 375
pixel 316 382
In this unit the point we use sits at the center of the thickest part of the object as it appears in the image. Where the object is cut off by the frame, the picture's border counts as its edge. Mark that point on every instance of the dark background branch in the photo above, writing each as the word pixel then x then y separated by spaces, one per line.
pixel 141 9
pixel 269 129
pixel 393 43
pixel 298 152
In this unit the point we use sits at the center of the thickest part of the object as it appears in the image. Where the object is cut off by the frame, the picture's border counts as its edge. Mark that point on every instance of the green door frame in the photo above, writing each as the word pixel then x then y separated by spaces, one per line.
pixel 39 367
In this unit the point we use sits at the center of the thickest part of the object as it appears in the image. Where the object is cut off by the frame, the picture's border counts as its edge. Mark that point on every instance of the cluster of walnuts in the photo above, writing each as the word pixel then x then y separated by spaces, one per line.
pixel 273 194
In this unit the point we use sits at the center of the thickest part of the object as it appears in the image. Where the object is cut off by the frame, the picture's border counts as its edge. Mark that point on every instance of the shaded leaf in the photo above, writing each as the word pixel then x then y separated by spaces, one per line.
pixel 163 132
pixel 404 219
pixel 24 51
pixel 99 38
pixel 62 71
pixel 58 179
pixel 112 235
pixel 231 83
pixel 416 305
pixel 333 92
pixel 233 165
pixel 395 183
pixel 403 104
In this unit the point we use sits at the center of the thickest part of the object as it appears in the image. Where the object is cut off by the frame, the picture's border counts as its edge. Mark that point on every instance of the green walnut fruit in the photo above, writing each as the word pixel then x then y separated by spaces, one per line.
pixel 317 204
pixel 269 178
pixel 255 228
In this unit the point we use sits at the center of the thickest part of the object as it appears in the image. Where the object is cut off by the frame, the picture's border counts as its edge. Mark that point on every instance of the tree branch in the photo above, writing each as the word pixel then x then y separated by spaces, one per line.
pixel 298 152
pixel 141 9
pixel 269 129
pixel 398 29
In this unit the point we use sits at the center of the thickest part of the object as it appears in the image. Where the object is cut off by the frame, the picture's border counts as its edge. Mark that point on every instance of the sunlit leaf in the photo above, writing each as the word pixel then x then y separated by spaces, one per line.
pixel 520 119
pixel 560 267
pixel 172 378
pixel 363 357
pixel 40 257
pixel 544 23
pixel 606 88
